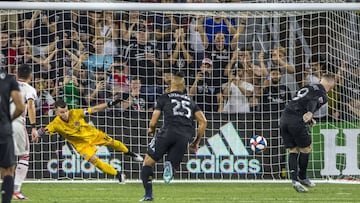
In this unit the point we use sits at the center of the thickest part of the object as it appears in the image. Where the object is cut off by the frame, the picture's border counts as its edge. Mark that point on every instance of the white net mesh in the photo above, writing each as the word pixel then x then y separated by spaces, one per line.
pixel 84 57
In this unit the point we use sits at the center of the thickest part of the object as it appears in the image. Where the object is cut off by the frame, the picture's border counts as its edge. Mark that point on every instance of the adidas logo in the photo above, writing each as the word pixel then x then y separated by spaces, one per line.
pixel 73 163
pixel 226 153
pixel 218 145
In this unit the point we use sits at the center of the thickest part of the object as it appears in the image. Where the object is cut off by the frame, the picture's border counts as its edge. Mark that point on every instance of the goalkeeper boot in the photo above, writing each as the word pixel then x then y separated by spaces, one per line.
pixel 306 182
pixel 168 172
pixel 19 196
pixel 138 158
pixel 298 187
pixel 121 177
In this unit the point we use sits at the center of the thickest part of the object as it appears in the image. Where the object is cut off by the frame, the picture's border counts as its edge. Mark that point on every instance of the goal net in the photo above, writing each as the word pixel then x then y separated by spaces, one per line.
pixel 84 56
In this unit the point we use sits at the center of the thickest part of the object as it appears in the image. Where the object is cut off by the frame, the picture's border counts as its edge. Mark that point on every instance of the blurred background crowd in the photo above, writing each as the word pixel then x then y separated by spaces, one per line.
pixel 233 62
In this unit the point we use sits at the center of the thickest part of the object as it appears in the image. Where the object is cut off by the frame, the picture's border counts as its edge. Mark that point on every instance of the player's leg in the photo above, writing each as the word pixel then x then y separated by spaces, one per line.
pixel 88 153
pixel 156 149
pixel 117 145
pixel 21 143
pixel 286 124
pixel 302 138
pixel 175 156
pixel 20 176
pixel 303 163
pixel 7 168
pixel 147 177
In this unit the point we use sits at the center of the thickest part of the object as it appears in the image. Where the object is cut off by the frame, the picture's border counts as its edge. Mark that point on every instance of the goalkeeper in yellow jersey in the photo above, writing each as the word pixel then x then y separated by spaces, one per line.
pixel 71 125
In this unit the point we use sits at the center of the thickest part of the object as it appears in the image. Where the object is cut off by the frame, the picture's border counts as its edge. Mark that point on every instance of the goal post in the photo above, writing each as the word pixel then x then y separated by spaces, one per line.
pixel 86 52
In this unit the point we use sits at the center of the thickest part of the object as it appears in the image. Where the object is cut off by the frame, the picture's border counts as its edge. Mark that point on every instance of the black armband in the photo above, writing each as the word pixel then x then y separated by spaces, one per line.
pixel 33 125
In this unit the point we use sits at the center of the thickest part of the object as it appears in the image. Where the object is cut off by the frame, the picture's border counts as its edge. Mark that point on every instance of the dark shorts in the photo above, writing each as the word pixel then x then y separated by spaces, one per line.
pixel 174 145
pixel 294 131
pixel 7 152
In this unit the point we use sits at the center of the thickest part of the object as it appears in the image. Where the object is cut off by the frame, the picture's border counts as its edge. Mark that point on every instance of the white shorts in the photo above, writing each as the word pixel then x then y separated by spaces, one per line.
pixel 21 139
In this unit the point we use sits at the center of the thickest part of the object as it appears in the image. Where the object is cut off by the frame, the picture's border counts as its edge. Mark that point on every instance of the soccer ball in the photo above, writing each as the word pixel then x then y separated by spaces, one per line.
pixel 258 143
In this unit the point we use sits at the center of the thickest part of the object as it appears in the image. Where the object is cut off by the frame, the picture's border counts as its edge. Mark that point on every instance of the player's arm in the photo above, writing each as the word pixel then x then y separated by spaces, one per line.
pixel 32 118
pixel 101 107
pixel 19 106
pixel 202 124
pixel 153 121
pixel 311 106
pixel 48 130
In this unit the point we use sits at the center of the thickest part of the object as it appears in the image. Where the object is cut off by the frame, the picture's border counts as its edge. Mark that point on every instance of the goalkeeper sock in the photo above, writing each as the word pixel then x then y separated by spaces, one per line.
pixel 105 167
pixel 303 163
pixel 119 146
pixel 7 189
pixel 146 177
pixel 293 165
pixel 21 172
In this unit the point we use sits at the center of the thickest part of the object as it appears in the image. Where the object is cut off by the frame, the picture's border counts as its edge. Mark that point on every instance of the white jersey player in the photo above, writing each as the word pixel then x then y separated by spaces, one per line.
pixel 20 134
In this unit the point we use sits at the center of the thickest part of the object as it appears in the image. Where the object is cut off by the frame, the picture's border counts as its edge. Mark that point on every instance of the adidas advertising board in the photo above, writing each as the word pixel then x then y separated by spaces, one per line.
pixel 72 163
pixel 225 153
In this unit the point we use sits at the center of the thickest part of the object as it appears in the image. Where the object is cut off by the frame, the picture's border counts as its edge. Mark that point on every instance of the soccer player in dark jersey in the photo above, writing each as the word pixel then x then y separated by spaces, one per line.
pixel 294 128
pixel 174 136
pixel 9 91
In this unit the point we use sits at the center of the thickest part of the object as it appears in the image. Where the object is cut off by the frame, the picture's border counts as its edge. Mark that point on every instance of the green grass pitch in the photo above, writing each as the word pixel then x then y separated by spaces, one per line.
pixel 189 192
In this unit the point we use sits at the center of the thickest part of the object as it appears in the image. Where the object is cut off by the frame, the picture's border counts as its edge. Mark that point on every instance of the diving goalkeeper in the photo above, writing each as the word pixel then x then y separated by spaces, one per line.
pixel 71 125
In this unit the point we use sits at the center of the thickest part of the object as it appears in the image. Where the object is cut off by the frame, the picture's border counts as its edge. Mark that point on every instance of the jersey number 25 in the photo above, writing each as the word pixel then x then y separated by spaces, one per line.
pixel 182 108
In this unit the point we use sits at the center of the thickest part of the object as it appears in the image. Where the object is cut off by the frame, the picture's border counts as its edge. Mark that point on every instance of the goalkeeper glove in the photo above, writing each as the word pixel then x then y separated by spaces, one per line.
pixel 42 131
pixel 116 99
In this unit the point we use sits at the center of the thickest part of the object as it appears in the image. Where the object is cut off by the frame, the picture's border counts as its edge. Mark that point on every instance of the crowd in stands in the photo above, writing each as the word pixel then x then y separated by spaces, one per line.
pixel 84 57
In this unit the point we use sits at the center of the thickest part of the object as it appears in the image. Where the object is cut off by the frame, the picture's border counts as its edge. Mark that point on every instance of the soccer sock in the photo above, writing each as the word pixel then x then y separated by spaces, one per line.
pixel 303 163
pixel 105 167
pixel 293 165
pixel 21 172
pixel 119 146
pixel 146 177
pixel 7 189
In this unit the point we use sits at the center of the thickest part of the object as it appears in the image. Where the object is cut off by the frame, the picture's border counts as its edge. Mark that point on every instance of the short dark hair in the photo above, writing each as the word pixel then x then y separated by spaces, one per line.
pixel 60 103
pixel 274 69
pixel 24 71
pixel 180 74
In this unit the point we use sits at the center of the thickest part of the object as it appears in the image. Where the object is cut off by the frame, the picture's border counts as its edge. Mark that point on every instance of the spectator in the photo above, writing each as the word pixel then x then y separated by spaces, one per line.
pixel 45 99
pixel 108 29
pixel 118 79
pixel 13 52
pixel 72 92
pixel 254 74
pixel 287 70
pixel 141 58
pixel 237 91
pixel 349 88
pixel 4 43
pixel 136 99
pixel 183 56
pixel 276 95
pixel 219 23
pixel 98 59
pixel 202 91
pixel 128 27
pixel 99 88
pixel 40 28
